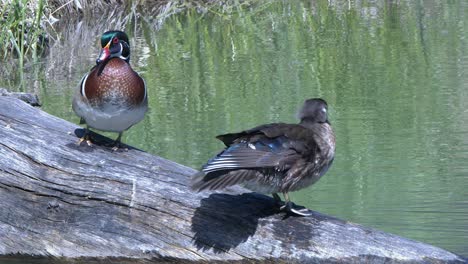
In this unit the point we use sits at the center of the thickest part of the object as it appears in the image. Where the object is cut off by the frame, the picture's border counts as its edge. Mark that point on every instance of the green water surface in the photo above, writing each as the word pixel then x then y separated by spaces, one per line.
pixel 395 75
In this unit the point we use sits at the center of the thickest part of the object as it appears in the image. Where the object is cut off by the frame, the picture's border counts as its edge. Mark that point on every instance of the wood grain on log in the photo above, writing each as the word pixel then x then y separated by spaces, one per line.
pixel 64 202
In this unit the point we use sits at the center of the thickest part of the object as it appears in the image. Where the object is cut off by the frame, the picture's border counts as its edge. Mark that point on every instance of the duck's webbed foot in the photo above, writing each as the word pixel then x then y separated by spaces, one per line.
pixel 118 144
pixel 86 137
pixel 291 208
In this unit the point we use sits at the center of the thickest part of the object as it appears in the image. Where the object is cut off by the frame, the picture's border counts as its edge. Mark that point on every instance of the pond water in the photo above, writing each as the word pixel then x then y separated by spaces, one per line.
pixel 395 76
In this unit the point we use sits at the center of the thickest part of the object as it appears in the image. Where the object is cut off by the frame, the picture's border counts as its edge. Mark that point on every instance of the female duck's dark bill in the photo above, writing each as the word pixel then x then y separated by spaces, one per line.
pixel 274 158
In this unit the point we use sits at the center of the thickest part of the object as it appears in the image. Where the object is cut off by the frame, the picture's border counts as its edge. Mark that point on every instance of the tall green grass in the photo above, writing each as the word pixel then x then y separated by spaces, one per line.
pixel 21 33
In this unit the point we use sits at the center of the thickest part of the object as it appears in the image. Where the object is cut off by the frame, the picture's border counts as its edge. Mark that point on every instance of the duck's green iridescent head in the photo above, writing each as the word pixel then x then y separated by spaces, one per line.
pixel 114 44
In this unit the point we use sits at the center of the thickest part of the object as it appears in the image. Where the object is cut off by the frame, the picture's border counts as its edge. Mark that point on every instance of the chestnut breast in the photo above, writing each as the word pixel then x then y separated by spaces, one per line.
pixel 117 83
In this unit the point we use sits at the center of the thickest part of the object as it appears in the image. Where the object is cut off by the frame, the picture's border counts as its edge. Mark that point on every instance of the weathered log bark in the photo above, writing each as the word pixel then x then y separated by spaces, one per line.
pixel 29 98
pixel 60 202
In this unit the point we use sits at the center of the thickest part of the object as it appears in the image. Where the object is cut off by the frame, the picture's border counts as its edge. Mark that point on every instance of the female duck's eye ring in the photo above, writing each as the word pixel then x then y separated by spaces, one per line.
pixel 115 40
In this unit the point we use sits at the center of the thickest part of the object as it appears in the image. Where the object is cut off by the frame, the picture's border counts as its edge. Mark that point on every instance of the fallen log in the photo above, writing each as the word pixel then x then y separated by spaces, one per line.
pixel 63 202
pixel 29 98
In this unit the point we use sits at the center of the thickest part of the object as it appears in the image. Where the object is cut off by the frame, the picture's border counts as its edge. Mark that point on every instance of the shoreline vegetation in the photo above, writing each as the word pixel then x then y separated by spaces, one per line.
pixel 27 27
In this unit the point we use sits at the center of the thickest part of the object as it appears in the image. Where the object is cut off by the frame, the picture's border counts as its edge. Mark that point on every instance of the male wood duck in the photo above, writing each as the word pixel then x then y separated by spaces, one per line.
pixel 112 96
pixel 275 157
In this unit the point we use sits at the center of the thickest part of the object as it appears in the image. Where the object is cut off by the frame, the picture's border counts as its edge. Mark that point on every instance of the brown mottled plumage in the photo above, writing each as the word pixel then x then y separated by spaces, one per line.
pixel 275 157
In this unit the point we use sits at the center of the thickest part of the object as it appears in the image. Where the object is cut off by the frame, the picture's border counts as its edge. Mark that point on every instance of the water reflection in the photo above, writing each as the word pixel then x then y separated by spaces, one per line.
pixel 394 74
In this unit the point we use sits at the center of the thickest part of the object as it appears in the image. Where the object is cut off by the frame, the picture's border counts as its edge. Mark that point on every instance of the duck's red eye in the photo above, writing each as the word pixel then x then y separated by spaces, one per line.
pixel 115 40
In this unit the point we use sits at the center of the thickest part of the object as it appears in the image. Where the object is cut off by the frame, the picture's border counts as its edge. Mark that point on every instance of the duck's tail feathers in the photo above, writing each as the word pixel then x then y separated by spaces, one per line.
pixel 220 179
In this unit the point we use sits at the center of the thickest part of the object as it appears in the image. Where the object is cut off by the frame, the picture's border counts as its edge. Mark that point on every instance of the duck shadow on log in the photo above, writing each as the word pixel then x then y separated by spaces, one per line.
pixel 97 140
pixel 223 221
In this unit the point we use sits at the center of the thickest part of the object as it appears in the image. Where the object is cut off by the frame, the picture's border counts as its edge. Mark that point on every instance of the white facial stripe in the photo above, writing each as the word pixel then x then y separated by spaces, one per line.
pixel 120 53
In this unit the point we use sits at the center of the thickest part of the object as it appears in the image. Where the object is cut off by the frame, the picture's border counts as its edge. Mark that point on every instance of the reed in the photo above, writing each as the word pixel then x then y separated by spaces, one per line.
pixel 21 33
pixel 27 25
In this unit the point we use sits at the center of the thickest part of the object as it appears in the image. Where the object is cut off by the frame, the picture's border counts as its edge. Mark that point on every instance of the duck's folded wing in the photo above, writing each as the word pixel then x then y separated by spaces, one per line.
pixel 294 132
pixel 244 161
pixel 273 130
pixel 249 155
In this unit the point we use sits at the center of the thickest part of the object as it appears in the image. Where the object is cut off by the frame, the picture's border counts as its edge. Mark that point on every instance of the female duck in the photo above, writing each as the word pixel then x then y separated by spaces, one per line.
pixel 112 96
pixel 274 158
